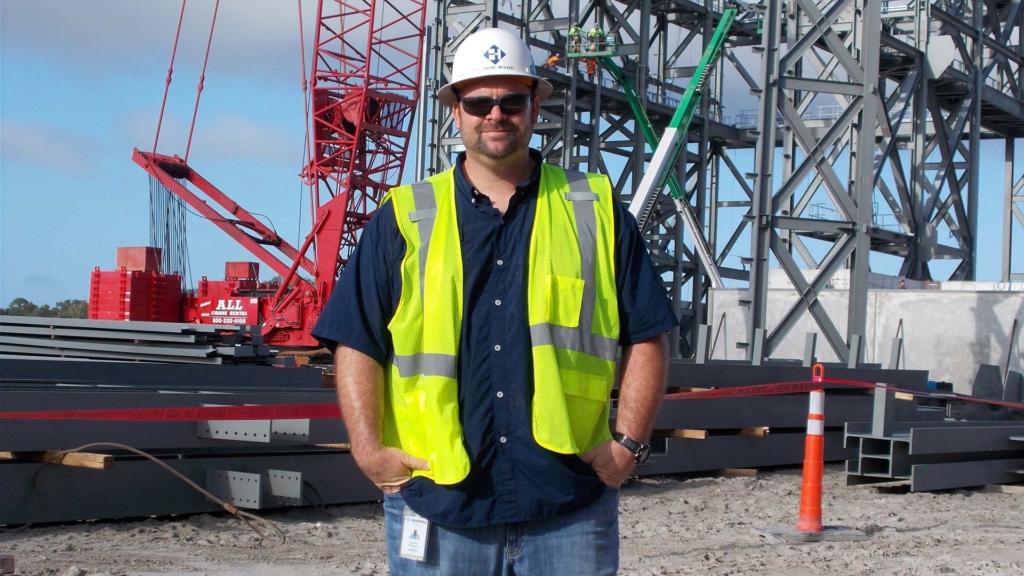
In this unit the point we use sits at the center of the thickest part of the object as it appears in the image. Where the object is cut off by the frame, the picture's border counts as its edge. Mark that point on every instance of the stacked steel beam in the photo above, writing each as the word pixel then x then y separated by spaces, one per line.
pixel 272 463
pixel 248 463
pixel 22 336
pixel 695 435
pixel 951 453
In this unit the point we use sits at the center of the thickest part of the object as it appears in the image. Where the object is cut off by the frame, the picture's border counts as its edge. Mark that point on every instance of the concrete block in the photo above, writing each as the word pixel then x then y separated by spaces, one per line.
pixel 1013 390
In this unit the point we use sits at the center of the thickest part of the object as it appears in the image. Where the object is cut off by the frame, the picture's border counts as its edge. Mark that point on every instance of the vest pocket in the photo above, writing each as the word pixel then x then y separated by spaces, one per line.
pixel 586 400
pixel 564 300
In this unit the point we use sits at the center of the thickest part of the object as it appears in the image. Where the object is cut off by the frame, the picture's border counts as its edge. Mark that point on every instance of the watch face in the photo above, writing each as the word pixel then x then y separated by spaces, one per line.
pixel 643 453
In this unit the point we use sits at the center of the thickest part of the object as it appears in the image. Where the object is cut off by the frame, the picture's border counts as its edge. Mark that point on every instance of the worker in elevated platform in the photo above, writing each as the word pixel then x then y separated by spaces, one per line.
pixel 596 38
pixel 476 332
pixel 575 39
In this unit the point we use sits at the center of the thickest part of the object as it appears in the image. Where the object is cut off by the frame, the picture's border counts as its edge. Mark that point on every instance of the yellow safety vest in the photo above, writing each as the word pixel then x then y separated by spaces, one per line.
pixel 572 308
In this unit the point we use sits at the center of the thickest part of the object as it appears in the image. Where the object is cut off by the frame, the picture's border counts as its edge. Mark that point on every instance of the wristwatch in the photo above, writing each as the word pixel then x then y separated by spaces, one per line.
pixel 640 450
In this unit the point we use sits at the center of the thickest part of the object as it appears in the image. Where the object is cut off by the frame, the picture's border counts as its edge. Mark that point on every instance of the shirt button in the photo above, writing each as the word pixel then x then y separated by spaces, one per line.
pixel 502 439
pixel 500 262
pixel 497 347
pixel 501 394
pixel 497 302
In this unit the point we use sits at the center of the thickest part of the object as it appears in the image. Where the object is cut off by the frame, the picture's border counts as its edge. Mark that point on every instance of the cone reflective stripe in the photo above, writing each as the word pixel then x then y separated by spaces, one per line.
pixel 814 458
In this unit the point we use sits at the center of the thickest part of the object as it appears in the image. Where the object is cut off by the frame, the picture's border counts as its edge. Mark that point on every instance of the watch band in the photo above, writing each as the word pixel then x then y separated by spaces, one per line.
pixel 640 450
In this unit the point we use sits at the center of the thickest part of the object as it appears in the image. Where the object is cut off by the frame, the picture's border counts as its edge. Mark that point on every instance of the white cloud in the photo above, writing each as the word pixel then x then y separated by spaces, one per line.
pixel 45 145
pixel 252 37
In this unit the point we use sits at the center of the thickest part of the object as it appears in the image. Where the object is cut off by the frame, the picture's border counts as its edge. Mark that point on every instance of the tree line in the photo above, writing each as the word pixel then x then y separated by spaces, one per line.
pixel 62 309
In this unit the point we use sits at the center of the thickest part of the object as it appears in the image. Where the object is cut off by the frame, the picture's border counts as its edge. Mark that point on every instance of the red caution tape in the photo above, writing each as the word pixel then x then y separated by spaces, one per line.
pixel 187 414
pixel 331 411
pixel 817 384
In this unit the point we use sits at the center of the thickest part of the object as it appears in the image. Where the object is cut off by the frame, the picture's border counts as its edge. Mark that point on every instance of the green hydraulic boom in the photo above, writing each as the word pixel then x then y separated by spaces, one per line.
pixel 666 151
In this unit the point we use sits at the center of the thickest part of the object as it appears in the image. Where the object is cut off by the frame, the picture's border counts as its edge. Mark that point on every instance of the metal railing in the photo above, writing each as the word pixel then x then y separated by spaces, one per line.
pixel 889 222
pixel 995 83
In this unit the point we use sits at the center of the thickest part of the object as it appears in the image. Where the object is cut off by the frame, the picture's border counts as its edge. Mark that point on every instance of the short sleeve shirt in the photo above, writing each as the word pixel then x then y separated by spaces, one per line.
pixel 512 478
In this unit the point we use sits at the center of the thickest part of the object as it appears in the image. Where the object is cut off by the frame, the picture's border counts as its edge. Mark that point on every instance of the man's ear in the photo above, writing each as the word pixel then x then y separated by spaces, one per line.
pixel 456 116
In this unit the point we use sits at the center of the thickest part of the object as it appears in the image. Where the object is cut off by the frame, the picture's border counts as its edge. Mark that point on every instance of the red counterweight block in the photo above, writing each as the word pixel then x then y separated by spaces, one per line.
pixel 135 295
pixel 242 271
pixel 138 258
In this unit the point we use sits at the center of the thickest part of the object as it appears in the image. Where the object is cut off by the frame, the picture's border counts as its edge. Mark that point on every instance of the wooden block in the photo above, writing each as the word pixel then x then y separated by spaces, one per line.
pixel 7 564
pixel 1003 489
pixel 904 396
pixel 342 446
pixel 75 459
pixel 689 434
pixel 756 431
pixel 327 380
pixel 677 389
pixel 739 472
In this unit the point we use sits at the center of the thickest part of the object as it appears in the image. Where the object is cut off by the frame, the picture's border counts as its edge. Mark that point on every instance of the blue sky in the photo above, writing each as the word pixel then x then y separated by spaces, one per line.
pixel 80 86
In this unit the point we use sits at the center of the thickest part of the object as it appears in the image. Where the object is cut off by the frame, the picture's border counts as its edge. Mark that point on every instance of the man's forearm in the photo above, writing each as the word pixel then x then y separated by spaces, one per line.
pixel 360 383
pixel 644 371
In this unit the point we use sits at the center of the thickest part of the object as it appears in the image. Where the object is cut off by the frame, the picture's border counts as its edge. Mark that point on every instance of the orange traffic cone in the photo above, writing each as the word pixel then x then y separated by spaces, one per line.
pixel 809 527
pixel 814 462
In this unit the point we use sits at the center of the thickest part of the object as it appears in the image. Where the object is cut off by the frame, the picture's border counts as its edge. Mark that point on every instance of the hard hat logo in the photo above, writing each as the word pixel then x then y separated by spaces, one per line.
pixel 494 54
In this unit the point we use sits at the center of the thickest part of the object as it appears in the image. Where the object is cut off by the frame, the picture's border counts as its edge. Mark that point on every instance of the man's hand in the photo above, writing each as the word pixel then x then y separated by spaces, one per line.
pixel 390 468
pixel 612 461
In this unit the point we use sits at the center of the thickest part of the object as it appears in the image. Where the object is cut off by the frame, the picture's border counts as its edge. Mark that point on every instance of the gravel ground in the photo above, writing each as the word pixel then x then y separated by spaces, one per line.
pixel 668 526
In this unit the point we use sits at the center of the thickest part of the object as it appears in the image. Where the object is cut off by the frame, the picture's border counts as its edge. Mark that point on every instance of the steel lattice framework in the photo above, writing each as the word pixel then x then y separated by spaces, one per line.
pixel 864 142
pixel 365 85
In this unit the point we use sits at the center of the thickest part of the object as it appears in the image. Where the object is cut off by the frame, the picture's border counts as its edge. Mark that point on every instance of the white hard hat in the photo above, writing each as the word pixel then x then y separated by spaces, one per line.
pixel 492 52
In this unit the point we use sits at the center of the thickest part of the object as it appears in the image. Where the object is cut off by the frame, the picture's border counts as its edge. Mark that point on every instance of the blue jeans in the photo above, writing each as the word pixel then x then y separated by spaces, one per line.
pixel 583 543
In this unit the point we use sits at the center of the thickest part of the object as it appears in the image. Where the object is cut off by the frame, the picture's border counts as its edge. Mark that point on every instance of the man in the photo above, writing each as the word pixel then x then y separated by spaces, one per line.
pixel 903 284
pixel 552 61
pixel 575 38
pixel 591 69
pixel 596 37
pixel 476 330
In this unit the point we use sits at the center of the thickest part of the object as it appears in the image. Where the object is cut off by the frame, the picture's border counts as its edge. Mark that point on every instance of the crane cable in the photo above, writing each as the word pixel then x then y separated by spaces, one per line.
pixel 308 145
pixel 202 78
pixel 170 72
pixel 254 521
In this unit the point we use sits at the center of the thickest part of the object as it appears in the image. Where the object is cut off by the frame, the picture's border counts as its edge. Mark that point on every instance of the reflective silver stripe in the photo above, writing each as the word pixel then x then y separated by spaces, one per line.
pixel 425 365
pixel 423 216
pixel 578 196
pixel 417 215
pixel 574 339
pixel 584 208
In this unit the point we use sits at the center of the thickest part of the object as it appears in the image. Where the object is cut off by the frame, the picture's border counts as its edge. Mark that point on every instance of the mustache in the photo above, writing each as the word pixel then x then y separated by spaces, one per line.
pixel 500 125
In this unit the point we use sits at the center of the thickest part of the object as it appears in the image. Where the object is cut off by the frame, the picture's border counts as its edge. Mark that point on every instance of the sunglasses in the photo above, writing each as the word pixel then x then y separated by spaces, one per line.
pixel 510 104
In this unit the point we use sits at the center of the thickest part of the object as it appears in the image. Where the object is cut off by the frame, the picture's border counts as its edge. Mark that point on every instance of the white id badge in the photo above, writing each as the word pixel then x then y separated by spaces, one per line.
pixel 414 536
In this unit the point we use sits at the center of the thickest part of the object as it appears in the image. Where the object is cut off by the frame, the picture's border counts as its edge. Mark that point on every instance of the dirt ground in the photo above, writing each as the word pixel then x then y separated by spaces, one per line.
pixel 668 526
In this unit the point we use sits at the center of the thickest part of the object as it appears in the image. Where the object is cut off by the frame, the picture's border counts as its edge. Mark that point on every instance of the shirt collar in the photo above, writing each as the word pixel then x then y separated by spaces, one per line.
pixel 528 186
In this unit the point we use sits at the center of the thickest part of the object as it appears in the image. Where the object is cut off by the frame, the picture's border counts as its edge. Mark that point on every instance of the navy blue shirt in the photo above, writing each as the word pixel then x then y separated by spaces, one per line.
pixel 512 478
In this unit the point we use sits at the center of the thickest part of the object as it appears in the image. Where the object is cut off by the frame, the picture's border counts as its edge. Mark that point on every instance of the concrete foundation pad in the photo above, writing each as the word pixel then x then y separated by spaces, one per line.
pixel 829 534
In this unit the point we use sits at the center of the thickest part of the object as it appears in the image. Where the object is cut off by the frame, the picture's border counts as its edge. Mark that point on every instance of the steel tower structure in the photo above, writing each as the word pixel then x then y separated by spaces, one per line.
pixel 863 141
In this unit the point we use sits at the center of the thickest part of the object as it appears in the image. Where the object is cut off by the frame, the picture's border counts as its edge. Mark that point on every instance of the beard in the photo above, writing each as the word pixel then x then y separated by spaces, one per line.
pixel 513 139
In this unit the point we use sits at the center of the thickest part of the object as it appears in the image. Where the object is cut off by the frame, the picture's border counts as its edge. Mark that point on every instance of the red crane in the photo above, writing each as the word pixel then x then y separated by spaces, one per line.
pixel 365 85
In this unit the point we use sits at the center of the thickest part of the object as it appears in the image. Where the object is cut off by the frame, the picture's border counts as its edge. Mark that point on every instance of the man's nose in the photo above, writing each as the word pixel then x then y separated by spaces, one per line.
pixel 495 112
